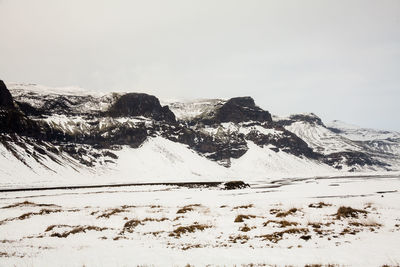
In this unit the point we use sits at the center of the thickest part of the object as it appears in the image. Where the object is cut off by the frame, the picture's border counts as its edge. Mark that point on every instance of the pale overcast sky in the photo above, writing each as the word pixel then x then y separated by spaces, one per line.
pixel 339 59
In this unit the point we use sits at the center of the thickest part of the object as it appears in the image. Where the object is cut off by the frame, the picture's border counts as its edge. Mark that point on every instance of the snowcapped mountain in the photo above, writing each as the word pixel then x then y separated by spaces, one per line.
pixel 70 136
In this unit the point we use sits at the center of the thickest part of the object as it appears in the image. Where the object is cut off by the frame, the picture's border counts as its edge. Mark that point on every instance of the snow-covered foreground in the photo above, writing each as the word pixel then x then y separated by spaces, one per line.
pixel 287 222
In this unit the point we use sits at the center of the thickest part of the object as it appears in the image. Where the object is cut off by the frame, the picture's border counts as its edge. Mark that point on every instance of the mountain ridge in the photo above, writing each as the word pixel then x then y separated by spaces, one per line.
pixel 85 132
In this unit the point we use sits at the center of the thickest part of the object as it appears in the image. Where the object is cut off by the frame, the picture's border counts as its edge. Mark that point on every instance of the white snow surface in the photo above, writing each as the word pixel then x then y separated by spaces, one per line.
pixel 32 221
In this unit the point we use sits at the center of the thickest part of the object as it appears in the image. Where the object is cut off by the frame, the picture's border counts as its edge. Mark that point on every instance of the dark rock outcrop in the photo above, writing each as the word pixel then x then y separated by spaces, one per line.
pixel 6 100
pixel 351 158
pixel 241 109
pixel 287 142
pixel 12 119
pixel 139 104
pixel 238 109
pixel 235 185
pixel 29 110
pixel 310 118
pixel 218 148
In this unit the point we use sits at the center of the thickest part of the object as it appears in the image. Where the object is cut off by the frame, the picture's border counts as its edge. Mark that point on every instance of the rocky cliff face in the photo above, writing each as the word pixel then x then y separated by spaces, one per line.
pixel 90 128
pixel 6 100
pixel 12 119
pixel 134 104
pixel 236 110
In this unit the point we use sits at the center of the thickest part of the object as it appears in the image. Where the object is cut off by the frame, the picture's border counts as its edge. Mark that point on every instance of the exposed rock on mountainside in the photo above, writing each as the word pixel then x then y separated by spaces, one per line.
pixel 241 109
pixel 12 120
pixel 238 109
pixel 351 158
pixel 6 100
pixel 134 104
pixel 287 142
pixel 309 118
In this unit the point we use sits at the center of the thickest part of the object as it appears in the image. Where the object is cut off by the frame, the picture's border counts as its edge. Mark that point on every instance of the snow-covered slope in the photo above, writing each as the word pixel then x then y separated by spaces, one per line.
pixel 322 139
pixel 156 160
pixel 356 133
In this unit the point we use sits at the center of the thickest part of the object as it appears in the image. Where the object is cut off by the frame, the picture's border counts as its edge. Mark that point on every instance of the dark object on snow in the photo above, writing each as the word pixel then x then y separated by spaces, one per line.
pixel 235 185
pixel 305 237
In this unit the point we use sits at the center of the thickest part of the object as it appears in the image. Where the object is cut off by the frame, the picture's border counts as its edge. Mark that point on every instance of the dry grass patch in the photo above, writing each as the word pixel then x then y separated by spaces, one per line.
pixel 78 229
pixel 111 212
pixel 244 207
pixel 28 203
pixel 184 210
pixel 365 224
pixel 317 228
pixel 154 219
pixel 156 233
pixel 277 236
pixel 274 211
pixel 128 207
pixel 181 230
pixel 348 212
pixel 51 227
pixel 191 246
pixel 286 213
pixel 7 241
pixel 239 239
pixel 130 225
pixel 30 214
pixel 187 208
pixel 8 255
pixel 241 218
pixel 41 212
pixel 281 224
pixel 245 228
pixel 315 225
pixel 349 231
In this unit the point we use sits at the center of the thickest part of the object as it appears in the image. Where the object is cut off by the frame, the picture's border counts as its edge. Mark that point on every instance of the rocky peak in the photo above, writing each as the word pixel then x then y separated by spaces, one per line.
pixel 238 109
pixel 139 104
pixel 305 117
pixel 12 120
pixel 241 109
pixel 6 100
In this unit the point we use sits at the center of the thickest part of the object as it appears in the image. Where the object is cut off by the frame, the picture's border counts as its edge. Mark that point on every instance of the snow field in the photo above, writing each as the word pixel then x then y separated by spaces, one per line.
pixel 172 226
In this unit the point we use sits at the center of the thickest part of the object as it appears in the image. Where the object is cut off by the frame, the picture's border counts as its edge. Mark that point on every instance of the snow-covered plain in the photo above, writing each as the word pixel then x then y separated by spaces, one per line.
pixel 175 226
